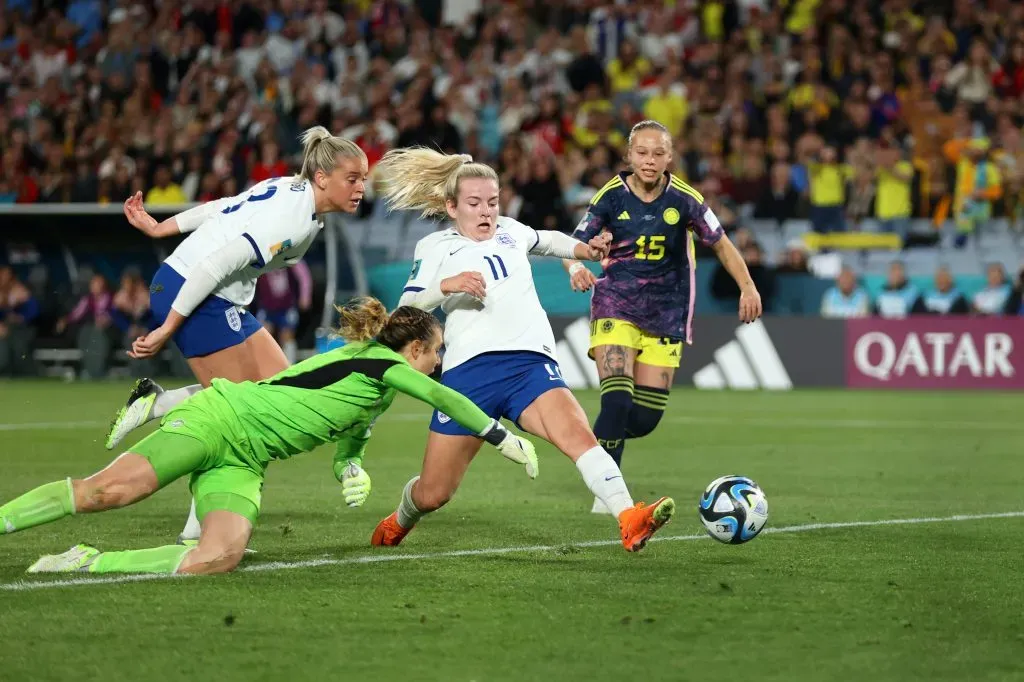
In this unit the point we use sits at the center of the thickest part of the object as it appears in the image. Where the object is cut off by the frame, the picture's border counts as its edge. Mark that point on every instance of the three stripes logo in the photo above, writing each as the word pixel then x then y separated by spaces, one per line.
pixel 623 216
pixel 747 362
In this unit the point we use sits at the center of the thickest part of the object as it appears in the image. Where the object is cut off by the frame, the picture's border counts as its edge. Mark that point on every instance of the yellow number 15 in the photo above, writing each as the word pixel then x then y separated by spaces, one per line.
pixel 650 248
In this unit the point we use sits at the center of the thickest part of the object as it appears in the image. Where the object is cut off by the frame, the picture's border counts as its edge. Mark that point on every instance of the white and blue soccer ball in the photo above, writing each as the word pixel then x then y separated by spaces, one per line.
pixel 733 509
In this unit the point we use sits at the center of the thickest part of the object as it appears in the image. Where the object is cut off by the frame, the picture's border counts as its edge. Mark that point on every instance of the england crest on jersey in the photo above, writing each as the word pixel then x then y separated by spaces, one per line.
pixel 505 239
pixel 234 319
pixel 443 418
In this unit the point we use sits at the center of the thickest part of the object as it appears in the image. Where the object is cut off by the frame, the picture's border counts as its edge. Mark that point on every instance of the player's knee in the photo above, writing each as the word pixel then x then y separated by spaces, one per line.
pixel 210 559
pixel 431 498
pixel 648 407
pixel 642 421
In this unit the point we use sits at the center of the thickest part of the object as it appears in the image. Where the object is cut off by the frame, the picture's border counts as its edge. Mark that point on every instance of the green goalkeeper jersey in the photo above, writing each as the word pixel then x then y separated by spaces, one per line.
pixel 333 397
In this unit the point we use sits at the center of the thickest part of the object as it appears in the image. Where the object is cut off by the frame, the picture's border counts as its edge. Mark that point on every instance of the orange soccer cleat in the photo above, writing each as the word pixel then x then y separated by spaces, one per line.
pixel 642 521
pixel 388 533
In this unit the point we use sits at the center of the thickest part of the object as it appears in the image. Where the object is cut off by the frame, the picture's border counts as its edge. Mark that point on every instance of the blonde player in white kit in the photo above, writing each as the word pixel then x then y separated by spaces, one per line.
pixel 198 295
pixel 499 347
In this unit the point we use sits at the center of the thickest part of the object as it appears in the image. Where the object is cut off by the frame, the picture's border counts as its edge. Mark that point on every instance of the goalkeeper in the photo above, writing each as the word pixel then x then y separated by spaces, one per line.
pixel 226 436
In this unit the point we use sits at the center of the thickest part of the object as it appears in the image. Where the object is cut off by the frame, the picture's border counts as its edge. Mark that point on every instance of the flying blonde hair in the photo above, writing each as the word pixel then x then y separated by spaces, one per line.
pixel 424 180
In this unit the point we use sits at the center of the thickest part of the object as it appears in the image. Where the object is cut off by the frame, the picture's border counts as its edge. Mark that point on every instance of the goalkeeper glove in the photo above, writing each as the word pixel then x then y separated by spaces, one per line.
pixel 355 484
pixel 519 450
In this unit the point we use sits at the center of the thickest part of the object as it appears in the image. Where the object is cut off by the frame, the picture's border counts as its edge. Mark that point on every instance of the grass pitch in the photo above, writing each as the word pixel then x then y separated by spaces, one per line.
pixel 532 596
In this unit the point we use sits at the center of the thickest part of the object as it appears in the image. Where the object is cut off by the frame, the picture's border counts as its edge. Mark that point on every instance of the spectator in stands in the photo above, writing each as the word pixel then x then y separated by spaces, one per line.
pixel 898 297
pixel 543 204
pixel 281 296
pixel 667 102
pixel 828 180
pixel 165 191
pixel 1015 301
pixel 18 311
pixel 944 298
pixel 780 201
pixel 893 202
pixel 131 315
pixel 794 260
pixel 92 316
pixel 847 298
pixel 978 184
pixel 992 300
pixel 270 164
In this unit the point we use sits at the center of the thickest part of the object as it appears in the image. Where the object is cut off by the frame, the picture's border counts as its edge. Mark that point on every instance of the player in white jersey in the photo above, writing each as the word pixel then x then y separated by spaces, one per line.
pixel 499 347
pixel 198 295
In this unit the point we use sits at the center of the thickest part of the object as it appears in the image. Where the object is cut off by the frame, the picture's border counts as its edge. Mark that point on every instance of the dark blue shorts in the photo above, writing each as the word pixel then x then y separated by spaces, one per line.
pixel 215 325
pixel 502 384
pixel 280 319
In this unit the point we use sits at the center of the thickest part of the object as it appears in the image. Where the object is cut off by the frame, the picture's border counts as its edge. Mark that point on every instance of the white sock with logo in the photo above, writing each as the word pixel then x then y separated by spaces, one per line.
pixel 169 399
pixel 604 479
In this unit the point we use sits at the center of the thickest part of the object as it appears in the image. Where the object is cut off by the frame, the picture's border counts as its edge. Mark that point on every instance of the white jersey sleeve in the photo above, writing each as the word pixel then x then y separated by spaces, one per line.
pixel 423 290
pixel 191 219
pixel 275 217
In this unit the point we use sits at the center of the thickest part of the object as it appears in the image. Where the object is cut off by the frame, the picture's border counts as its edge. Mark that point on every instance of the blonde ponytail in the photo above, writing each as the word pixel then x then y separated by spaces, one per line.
pixel 424 180
pixel 362 319
pixel 321 151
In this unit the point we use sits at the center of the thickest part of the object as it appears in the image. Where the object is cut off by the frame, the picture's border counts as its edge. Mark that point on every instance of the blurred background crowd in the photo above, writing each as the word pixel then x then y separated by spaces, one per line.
pixel 898 118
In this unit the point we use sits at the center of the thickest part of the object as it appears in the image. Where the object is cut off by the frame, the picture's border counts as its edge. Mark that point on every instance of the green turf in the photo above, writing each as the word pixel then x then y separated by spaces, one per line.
pixel 939 601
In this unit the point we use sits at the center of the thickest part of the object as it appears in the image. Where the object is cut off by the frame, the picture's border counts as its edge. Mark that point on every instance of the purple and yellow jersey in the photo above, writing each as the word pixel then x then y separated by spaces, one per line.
pixel 648 276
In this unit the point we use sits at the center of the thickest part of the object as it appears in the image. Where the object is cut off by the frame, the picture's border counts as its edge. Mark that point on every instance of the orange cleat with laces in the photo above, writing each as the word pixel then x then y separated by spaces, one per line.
pixel 388 533
pixel 642 521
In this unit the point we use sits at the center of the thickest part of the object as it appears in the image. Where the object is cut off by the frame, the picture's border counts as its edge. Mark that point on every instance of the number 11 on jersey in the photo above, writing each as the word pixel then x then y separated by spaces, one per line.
pixel 494 270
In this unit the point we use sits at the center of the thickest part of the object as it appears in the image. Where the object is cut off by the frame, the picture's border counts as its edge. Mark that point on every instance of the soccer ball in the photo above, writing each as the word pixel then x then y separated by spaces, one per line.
pixel 733 509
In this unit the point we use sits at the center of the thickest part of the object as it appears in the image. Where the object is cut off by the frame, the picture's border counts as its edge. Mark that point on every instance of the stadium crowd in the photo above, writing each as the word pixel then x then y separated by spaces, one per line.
pixel 847 114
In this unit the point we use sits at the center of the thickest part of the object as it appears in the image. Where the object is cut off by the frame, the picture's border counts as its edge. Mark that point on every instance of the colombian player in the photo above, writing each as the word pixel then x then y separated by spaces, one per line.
pixel 225 437
pixel 642 306
pixel 199 293
pixel 499 347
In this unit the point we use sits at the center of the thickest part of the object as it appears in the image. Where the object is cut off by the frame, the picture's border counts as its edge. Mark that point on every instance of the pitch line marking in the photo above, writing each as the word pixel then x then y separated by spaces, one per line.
pixel 23 586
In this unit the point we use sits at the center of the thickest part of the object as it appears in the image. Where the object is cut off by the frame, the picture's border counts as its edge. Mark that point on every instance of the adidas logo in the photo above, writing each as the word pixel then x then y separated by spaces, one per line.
pixel 623 216
pixel 748 362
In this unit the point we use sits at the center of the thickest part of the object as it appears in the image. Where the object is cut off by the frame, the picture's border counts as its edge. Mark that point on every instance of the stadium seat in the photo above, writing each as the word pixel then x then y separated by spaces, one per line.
pixel 921 262
pixel 773 246
pixel 878 262
pixel 922 226
pixel 962 261
pixel 761 226
pixel 384 234
pixel 416 230
pixel 795 229
pixel 993 240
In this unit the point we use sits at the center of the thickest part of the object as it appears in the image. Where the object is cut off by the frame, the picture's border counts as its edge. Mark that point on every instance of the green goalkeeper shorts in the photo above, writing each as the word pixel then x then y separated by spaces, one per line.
pixel 221 481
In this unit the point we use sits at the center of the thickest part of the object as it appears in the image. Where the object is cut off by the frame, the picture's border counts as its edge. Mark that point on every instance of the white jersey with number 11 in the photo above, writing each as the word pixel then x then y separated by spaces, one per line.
pixel 510 318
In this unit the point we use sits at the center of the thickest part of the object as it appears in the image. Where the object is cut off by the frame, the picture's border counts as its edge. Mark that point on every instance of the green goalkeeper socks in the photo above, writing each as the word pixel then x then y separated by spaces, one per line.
pixel 156 560
pixel 44 504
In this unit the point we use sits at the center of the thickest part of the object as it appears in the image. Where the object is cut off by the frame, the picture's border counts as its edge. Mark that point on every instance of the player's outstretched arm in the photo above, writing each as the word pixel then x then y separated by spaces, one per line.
pixel 750 299
pixel 460 408
pixel 184 222
pixel 200 283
